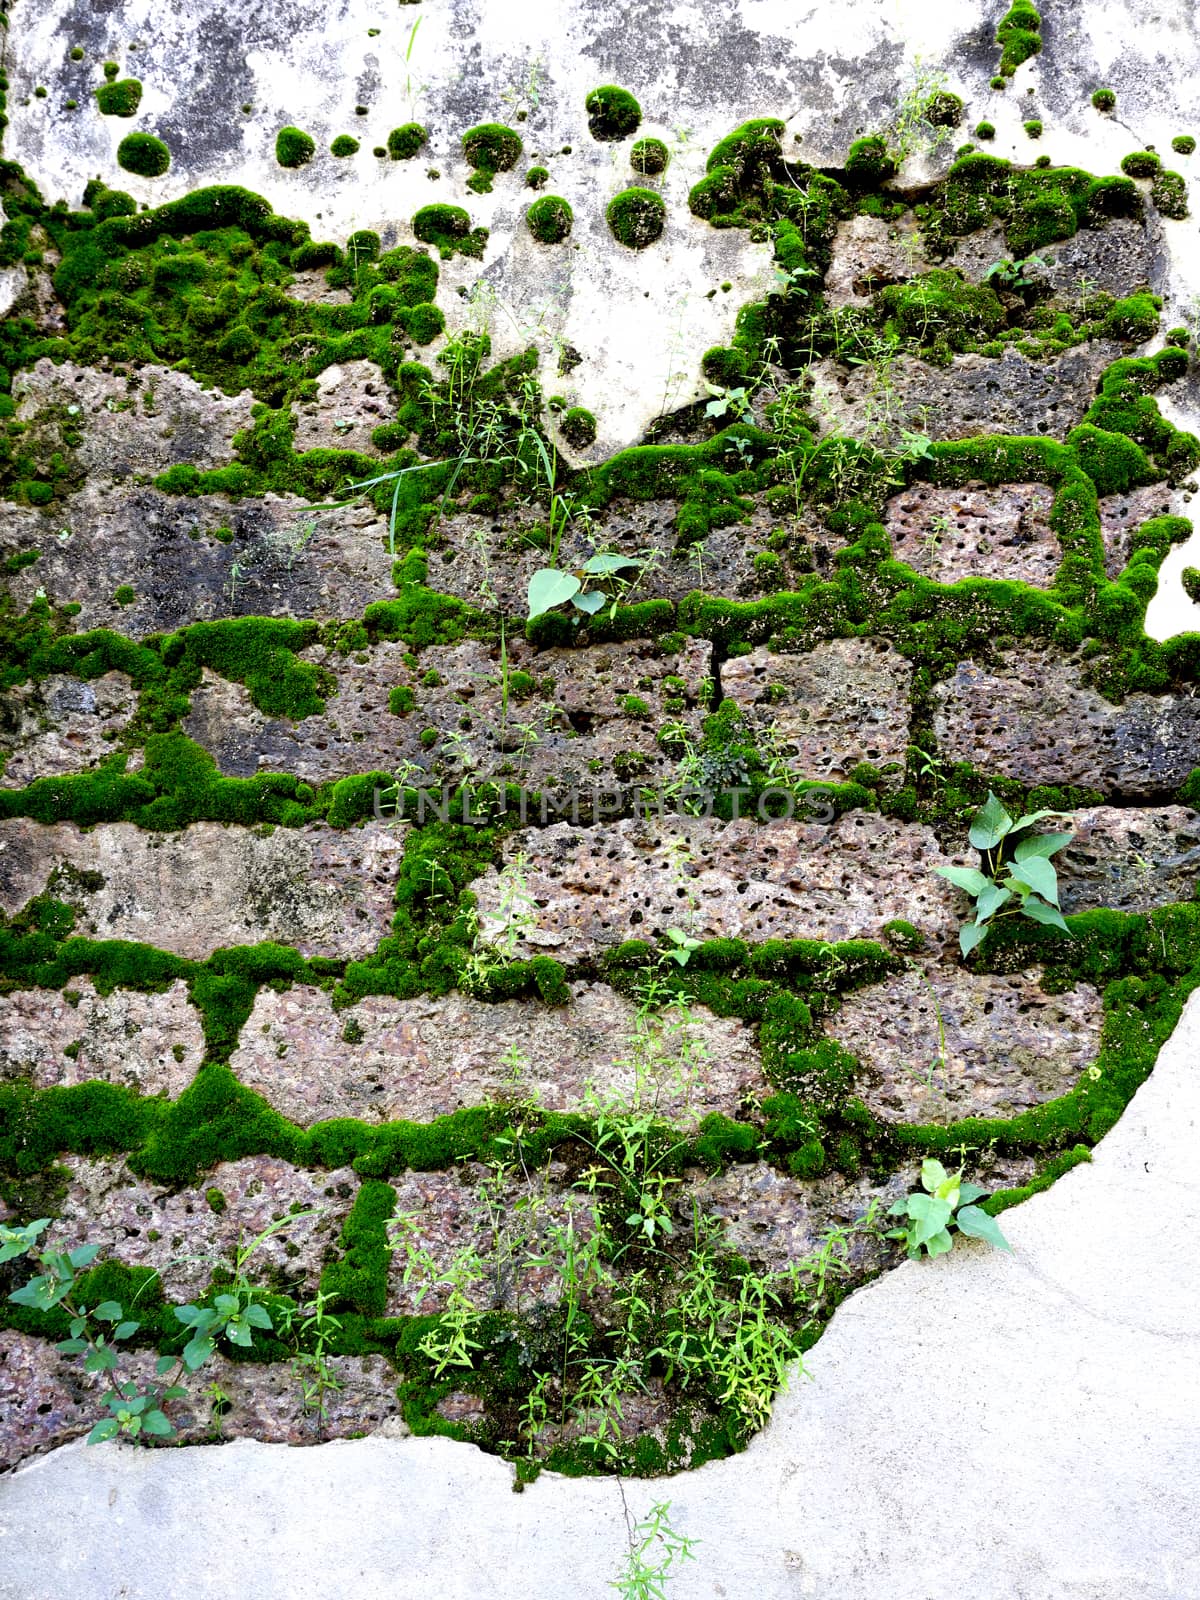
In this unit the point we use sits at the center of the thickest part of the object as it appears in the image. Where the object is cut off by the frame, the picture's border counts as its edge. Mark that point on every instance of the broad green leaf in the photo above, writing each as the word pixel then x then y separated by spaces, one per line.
pixel 1039 911
pixel 971 934
pixel 970 1191
pixel 83 1255
pixel 155 1422
pixel 602 566
pixel 968 878
pixel 72 1347
pixel 1039 875
pixel 990 901
pixel 239 1332
pixel 1042 844
pixel 976 1224
pixel 940 1243
pixel 163 1365
pixel 257 1317
pixel 190 1315
pixel 929 1216
pixel 108 1311
pixel 590 601
pixel 197 1351
pixel 899 1208
pixel 227 1305
pixel 1028 820
pixel 549 588
pixel 125 1330
pixel 933 1173
pixel 101 1359
pixel 992 823
pixel 103 1430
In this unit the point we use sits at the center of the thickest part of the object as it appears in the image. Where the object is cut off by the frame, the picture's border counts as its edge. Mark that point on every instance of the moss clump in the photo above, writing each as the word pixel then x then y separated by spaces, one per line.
pixel 649 157
pixel 636 217
pixel 941 307
pixel 549 219
pixel 1141 164
pixel 144 154
pixel 1191 583
pixel 537 178
pixel 490 148
pixel 343 145
pixel 125 595
pixel 1018 35
pixel 578 427
pixel 405 141
pixel 1034 128
pixel 943 109
pixel 613 113
pixel 985 130
pixel 1104 99
pixel 449 228
pixel 1183 144
pixel 1169 195
pixel 869 164
pixel 120 99
pixel 294 147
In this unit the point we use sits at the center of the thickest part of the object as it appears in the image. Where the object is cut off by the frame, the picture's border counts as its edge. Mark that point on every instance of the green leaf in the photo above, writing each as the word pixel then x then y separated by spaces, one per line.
pixel 83 1255
pixel 1028 820
pixel 191 1315
pixel 101 1359
pixel 239 1333
pixel 970 935
pixel 549 588
pixel 970 1191
pixel 72 1347
pixel 163 1365
pixel 1039 911
pixel 968 878
pixel 976 1224
pixel 155 1422
pixel 227 1305
pixel 1039 875
pixel 108 1311
pixel 930 1216
pixel 899 1208
pixel 257 1317
pixel 933 1173
pixel 940 1243
pixel 990 901
pixel 602 566
pixel 125 1330
pixel 197 1351
pixel 590 601
pixel 103 1430
pixel 1042 844
pixel 991 824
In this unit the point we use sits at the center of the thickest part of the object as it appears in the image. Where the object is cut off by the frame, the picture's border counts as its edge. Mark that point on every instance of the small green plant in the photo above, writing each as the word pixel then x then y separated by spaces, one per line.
pixel 119 99
pixel 682 947
pixel 550 587
pixel 344 145
pixel 405 141
pixel 1141 164
pixel 1183 144
pixel 942 1204
pixel 1014 275
pixel 1017 877
pixel 649 157
pixel 489 148
pixel 655 1551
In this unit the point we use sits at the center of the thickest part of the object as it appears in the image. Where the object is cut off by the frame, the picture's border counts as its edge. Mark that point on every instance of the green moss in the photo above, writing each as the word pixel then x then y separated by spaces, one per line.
pixel 216 1200
pixel 1169 195
pixel 613 113
pixel 1033 128
pixel 144 154
pixel 449 228
pixel 293 147
pixel 125 595
pixel 578 428
pixel 1141 164
pixel 537 178
pixel 1104 99
pixel 119 99
pixel 985 130
pixel 1183 144
pixel 359 1280
pixel 1018 36
pixel 490 148
pixel 406 141
pixel 1190 578
pixel 869 163
pixel 636 217
pixel 343 145
pixel 649 158
pixel 549 219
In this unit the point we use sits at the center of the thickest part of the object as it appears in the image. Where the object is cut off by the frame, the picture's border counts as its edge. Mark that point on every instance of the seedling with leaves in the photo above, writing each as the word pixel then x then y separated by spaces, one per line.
pixel 682 947
pixel 944 1202
pixel 1015 275
pixel 551 586
pixel 1017 876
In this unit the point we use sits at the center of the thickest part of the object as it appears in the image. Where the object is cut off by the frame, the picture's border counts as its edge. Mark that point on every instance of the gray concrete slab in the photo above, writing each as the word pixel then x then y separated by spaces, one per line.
pixel 1021 1427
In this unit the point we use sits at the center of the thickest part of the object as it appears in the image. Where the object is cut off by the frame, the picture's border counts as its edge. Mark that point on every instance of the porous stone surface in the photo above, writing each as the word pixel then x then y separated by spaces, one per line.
pixel 591 715
pixel 149 1042
pixel 285 558
pixel 1122 514
pixel 1131 860
pixel 326 892
pixel 635 878
pixel 975 532
pixel 939 1045
pixel 129 427
pixel 384 1059
pixel 352 400
pixel 185 1234
pixel 61 725
pixel 844 702
pixel 1035 719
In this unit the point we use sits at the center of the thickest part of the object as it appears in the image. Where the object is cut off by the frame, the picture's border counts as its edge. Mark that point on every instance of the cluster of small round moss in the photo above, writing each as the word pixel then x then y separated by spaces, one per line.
pixel 1034 128
pixel 549 219
pixel 294 147
pixel 1183 144
pixel 1104 99
pixel 1018 34
pixel 144 154
pixel 119 99
pixel 343 145
pixel 649 157
pixel 578 427
pixel 405 141
pixel 985 130
pixel 449 228
pixel 613 113
pixel 490 148
pixel 1141 164
pixel 1169 195
pixel 537 178
pixel 636 217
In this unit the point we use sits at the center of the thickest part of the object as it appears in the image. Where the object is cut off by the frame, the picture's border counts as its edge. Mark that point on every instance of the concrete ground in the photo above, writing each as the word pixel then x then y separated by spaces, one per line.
pixel 996 1427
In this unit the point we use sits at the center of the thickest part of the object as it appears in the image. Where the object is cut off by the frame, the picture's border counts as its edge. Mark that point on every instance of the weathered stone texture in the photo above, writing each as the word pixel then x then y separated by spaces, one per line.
pixel 592 717
pixel 1035 720
pixel 324 891
pixel 844 702
pixel 1008 1045
pixel 975 532
pixel 184 1236
pixel 1130 860
pixel 1122 514
pixel 418 1059
pixel 595 887
pixel 149 1042
pixel 352 400
pixel 61 725
pixel 130 428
